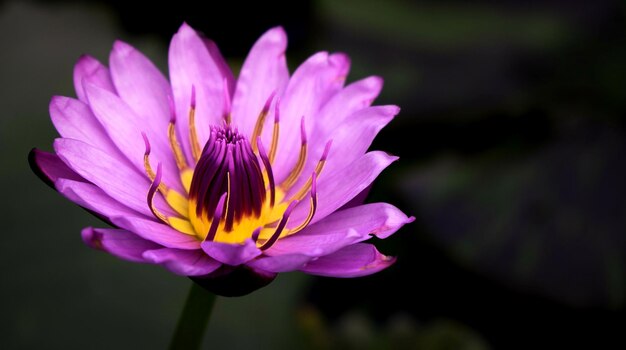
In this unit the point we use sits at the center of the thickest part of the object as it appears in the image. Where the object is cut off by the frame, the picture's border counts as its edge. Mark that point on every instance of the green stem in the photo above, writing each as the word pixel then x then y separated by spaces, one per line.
pixel 194 319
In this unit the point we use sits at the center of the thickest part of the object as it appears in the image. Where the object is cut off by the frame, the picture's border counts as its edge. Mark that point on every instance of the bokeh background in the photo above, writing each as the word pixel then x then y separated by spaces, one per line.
pixel 512 158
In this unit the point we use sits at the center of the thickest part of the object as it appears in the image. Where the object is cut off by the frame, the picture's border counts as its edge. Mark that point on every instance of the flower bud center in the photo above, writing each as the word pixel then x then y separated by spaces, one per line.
pixel 228 165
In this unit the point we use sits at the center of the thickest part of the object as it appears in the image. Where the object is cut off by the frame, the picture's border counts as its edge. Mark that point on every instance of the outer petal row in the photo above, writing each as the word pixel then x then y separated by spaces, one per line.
pixel 355 260
pixel 343 228
pixel 352 261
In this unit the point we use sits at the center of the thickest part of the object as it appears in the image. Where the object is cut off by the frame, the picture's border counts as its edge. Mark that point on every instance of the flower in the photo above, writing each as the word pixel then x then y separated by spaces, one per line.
pixel 226 181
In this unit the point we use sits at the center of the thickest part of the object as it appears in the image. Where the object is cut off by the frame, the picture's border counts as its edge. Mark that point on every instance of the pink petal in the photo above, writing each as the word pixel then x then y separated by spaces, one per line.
pixel 114 177
pixel 263 73
pixel 88 70
pixel 157 232
pixel 192 64
pixel 49 167
pixel 183 262
pixel 357 260
pixel 311 85
pixel 73 119
pixel 351 140
pixel 120 243
pixel 91 197
pixel 336 188
pixel 124 127
pixel 343 228
pixel 231 254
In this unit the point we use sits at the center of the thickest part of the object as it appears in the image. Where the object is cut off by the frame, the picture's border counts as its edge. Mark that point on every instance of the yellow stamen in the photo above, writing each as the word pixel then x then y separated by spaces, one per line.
pixel 258 129
pixel 307 186
pixel 227 194
pixel 308 218
pixel 151 174
pixel 156 212
pixel 193 135
pixel 274 145
pixel 295 172
pixel 178 152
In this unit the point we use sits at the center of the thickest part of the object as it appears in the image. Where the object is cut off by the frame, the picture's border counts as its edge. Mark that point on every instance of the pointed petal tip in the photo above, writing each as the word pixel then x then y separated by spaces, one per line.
pixel 91 238
pixel 49 167
pixel 33 161
pixel 389 110
pixel 341 61
pixel 87 66
pixel 390 158
pixel 276 35
pixel 357 260
pixel 375 81
pixel 121 48
pixel 395 219
pixel 85 59
pixel 185 30
pixel 58 104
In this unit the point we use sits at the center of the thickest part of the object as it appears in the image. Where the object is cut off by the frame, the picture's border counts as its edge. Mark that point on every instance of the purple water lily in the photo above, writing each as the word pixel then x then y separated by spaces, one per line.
pixel 226 181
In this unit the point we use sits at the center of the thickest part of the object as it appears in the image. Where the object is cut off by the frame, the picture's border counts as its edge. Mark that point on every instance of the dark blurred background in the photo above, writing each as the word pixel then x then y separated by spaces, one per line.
pixel 512 158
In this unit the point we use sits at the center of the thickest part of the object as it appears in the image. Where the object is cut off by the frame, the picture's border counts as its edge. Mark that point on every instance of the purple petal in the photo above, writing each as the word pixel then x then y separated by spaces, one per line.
pixel 357 260
pixel 311 85
pixel 359 199
pixel 379 219
pixel 341 229
pixel 343 104
pixel 221 63
pixel 157 232
pixel 335 189
pixel 231 254
pixel 124 127
pixel 354 136
pixel 192 64
pixel 315 245
pixel 144 88
pixel 114 177
pixel 183 262
pixel 281 263
pixel 88 70
pixel 350 140
pixel 263 73
pixel 120 243
pixel 49 167
pixel 74 119
pixel 91 197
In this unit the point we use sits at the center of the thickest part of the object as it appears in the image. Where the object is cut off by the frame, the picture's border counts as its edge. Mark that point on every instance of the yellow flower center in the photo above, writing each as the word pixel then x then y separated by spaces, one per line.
pixel 230 190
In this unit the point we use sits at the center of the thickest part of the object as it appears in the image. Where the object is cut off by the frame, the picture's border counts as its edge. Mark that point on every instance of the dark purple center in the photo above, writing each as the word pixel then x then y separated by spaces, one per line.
pixel 228 155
